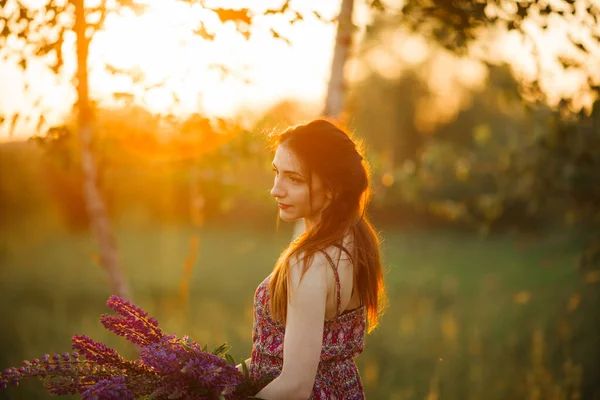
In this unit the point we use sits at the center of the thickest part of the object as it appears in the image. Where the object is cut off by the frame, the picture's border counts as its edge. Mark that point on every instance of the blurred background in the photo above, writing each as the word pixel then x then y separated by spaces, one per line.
pixel 133 161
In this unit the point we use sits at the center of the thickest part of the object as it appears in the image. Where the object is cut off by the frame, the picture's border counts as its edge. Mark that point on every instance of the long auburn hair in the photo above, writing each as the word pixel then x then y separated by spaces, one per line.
pixel 329 152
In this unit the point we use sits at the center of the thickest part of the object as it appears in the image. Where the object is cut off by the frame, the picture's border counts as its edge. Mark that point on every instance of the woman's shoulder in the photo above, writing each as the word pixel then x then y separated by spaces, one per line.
pixel 313 274
pixel 334 253
pixel 300 262
pixel 341 251
pixel 338 252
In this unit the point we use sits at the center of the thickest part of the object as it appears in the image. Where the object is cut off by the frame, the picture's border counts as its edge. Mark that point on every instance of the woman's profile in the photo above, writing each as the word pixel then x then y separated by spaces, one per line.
pixel 326 291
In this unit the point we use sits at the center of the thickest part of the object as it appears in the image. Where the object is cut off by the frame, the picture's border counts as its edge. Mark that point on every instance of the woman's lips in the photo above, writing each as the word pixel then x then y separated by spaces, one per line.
pixel 283 206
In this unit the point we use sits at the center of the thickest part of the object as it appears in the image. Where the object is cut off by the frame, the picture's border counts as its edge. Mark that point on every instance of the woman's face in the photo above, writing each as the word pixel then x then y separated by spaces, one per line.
pixel 290 189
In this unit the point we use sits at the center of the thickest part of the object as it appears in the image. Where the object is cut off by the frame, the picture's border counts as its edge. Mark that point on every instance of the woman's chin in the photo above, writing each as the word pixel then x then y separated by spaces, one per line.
pixel 287 217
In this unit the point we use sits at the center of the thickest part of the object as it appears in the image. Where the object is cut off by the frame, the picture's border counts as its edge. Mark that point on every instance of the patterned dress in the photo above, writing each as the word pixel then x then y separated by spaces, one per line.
pixel 343 340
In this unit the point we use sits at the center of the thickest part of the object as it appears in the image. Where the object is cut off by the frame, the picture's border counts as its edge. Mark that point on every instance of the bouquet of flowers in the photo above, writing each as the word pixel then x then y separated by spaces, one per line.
pixel 168 367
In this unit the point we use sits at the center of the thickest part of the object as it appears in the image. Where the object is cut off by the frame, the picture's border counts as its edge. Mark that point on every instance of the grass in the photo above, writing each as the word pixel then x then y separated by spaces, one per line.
pixel 467 318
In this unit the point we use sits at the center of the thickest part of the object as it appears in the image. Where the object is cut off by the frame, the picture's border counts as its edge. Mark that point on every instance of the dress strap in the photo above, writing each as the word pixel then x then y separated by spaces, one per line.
pixel 345 250
pixel 337 283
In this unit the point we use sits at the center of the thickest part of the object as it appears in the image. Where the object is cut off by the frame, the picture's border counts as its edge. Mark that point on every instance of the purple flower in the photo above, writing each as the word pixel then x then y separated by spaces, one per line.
pixel 163 357
pixel 95 351
pixel 133 323
pixel 212 374
pixel 63 386
pixel 168 367
pixel 196 368
pixel 112 388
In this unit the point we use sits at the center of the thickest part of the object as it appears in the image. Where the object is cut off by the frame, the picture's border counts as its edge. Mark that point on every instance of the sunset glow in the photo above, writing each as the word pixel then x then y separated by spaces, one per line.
pixel 179 72
pixel 191 73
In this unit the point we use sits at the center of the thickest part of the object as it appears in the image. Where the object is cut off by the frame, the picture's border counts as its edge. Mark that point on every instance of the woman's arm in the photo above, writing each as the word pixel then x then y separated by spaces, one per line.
pixel 303 334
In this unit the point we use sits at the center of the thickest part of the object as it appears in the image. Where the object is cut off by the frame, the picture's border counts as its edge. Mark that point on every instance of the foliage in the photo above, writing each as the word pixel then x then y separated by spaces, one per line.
pixel 149 168
pixel 168 367
pixel 20 166
pixel 156 163
pixel 500 161
pixel 455 25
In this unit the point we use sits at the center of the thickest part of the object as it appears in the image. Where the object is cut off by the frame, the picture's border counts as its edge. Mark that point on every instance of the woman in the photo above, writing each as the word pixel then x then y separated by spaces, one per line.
pixel 326 290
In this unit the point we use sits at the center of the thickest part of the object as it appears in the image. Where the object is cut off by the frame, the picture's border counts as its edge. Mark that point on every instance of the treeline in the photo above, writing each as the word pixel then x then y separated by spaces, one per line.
pixel 501 164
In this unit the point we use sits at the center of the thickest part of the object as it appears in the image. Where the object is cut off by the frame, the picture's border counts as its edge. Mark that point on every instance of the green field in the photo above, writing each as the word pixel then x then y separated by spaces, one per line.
pixel 469 317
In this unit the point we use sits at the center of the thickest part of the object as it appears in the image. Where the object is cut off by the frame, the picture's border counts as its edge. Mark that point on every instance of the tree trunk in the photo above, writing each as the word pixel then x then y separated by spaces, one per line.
pixel 336 89
pixel 93 200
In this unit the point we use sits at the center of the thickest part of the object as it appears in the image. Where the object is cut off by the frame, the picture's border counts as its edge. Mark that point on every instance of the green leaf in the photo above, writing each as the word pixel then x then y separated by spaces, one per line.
pixel 245 371
pixel 222 350
pixel 229 359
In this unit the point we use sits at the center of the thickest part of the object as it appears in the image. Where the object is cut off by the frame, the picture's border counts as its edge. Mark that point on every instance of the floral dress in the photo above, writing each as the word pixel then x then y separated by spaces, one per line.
pixel 343 340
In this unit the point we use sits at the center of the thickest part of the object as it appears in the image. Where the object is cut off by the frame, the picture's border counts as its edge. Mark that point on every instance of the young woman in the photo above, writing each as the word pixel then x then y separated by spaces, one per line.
pixel 311 314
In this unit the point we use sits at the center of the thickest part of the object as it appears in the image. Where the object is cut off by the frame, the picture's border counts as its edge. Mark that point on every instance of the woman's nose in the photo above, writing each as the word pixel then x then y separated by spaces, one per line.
pixel 277 190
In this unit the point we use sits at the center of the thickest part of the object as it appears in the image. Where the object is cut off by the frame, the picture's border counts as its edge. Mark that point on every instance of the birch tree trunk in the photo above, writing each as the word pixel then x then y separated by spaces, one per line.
pixel 93 200
pixel 336 89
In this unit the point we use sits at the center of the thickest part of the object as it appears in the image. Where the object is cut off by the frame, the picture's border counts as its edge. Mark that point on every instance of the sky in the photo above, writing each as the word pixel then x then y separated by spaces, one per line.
pixel 179 79
pixel 159 45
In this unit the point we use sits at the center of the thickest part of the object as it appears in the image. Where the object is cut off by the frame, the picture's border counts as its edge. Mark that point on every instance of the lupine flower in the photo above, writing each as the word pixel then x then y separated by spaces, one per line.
pixel 95 351
pixel 134 323
pixel 168 367
pixel 197 367
pixel 112 388
pixel 64 386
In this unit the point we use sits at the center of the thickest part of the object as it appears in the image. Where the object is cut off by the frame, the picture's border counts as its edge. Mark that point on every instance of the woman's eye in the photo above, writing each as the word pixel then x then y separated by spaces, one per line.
pixel 295 180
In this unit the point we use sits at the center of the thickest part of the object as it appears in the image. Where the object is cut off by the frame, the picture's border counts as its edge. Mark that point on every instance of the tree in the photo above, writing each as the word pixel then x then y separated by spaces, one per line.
pixel 463 27
pixel 40 32
pixel 561 156
pixel 334 101
pixel 456 25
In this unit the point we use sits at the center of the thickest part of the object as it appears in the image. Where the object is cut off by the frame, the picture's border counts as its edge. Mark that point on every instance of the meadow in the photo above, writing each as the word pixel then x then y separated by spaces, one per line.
pixel 470 317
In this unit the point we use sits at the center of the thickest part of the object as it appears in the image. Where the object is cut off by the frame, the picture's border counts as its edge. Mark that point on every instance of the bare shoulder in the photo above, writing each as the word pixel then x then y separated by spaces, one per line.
pixel 341 253
pixel 315 273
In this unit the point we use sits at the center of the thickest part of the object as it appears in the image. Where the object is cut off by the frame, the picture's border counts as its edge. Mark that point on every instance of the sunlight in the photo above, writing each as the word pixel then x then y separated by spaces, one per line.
pixel 188 73
pixel 160 61
pixel 177 71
